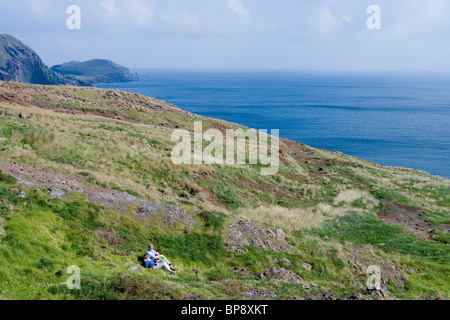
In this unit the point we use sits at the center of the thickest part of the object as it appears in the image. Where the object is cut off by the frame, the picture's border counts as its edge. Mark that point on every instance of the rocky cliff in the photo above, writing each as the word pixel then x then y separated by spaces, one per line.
pixel 18 62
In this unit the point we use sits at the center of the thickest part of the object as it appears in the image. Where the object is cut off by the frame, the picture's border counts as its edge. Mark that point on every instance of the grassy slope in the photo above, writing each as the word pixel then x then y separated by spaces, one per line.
pixel 126 146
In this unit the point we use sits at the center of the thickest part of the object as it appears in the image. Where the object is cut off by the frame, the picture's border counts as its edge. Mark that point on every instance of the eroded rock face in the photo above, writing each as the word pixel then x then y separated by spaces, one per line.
pixel 243 234
pixel 389 273
pixel 19 63
pixel 59 184
pixel 171 213
pixel 281 274
pixel 260 294
pixel 135 268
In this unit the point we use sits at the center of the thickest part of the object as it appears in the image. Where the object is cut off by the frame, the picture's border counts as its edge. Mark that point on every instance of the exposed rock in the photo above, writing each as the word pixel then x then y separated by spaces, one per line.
pixel 307 266
pixel 134 268
pixel 171 213
pixel 361 261
pixel 429 298
pixel 112 265
pixel 279 234
pixel 18 62
pixel 58 184
pixel 286 262
pixel 260 294
pixel 244 234
pixel 192 297
pixel 110 236
pixel 357 296
pixel 321 296
pixel 382 293
pixel 281 274
pixel 237 249
pixel 56 193
pixel 21 194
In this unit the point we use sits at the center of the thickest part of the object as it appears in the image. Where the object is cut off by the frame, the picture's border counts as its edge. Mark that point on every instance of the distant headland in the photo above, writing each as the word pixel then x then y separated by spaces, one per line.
pixel 20 63
pixel 95 71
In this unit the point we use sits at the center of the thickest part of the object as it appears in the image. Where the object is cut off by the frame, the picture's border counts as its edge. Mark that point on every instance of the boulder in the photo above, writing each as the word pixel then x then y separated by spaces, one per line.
pixel 134 268
pixel 307 266
pixel 282 274
pixel 21 194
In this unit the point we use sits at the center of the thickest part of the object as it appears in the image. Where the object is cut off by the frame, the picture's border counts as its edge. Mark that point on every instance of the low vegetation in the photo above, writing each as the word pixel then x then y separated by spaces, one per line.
pixel 327 205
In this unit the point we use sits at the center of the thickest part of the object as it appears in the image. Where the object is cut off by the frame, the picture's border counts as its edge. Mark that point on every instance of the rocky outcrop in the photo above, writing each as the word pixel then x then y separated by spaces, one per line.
pixel 281 274
pixel 19 63
pixel 58 184
pixel 243 234
pixel 360 261
pixel 260 294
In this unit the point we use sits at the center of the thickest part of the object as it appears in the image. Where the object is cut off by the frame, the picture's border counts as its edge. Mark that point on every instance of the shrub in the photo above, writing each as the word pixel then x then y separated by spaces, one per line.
pixel 45 263
pixel 213 219
pixel 7 178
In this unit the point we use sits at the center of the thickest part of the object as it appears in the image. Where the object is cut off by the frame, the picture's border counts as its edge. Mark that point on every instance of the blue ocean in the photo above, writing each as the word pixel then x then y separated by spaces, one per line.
pixel 396 119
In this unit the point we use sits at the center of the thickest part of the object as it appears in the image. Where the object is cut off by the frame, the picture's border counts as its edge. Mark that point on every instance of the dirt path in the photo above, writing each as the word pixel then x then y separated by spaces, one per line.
pixel 409 218
pixel 59 184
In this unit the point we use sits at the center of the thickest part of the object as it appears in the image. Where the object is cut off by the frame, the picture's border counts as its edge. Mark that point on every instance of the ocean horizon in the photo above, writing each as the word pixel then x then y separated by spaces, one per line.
pixel 395 119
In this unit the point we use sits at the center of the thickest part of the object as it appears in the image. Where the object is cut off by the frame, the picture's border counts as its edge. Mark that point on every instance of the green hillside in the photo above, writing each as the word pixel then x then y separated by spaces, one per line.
pixel 99 185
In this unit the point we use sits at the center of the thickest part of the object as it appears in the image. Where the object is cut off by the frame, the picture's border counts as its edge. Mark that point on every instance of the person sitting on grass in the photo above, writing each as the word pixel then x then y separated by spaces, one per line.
pixel 150 263
pixel 157 257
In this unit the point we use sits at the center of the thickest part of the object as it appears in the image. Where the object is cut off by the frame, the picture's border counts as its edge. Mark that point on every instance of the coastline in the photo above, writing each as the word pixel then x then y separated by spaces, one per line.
pixel 382 140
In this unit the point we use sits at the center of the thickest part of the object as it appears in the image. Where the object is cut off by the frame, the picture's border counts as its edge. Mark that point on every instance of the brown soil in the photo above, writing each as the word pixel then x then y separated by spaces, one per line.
pixel 59 184
pixel 409 218
pixel 315 164
pixel 54 98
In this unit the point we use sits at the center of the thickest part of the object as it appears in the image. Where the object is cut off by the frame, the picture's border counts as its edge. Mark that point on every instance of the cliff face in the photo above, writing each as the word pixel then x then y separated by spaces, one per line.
pixel 95 71
pixel 18 62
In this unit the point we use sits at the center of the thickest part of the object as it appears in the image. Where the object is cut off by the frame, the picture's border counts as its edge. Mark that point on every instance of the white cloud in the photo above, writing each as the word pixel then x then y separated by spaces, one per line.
pixel 180 17
pixel 235 33
pixel 320 22
pixel 400 29
pixel 141 11
pixel 109 5
pixel 38 7
pixel 430 12
pixel 325 22
pixel 239 8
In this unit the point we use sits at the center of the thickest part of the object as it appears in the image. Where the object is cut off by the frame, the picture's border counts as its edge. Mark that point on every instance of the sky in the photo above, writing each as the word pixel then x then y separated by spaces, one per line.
pixel 238 34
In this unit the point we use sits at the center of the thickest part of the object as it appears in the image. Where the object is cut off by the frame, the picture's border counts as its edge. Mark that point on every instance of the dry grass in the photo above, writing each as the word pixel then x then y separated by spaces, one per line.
pixel 310 217
pixel 350 196
pixel 293 219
